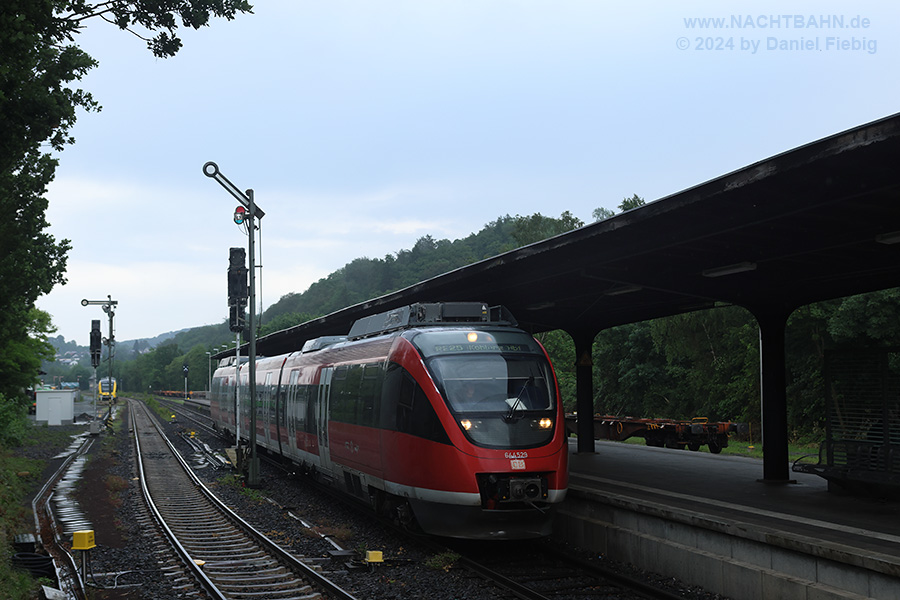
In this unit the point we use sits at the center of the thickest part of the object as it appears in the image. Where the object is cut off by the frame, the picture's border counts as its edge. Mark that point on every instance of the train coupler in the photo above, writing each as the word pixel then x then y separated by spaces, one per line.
pixel 497 488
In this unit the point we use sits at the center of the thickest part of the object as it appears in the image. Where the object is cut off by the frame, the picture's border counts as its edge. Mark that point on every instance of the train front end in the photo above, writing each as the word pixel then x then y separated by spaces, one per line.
pixel 107 389
pixel 506 467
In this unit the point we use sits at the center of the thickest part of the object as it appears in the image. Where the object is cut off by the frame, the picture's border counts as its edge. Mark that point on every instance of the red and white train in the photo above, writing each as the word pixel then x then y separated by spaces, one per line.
pixel 445 414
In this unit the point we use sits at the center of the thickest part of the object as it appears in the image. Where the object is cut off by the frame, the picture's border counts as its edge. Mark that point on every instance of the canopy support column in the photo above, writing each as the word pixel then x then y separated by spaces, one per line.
pixel 772 324
pixel 584 391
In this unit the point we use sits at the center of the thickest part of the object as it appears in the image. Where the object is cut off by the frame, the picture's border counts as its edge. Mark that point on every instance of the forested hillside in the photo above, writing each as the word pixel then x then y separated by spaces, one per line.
pixel 366 278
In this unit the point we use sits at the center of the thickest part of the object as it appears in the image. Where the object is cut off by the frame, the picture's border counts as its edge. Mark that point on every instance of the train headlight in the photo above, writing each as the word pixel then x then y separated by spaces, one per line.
pixel 469 424
pixel 545 423
pixel 472 336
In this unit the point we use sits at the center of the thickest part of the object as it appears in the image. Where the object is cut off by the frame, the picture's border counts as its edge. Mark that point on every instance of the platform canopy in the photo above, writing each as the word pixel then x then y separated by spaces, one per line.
pixel 818 222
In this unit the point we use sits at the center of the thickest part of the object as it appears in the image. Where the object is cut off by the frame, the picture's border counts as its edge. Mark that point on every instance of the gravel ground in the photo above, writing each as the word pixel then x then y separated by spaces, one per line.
pixel 125 545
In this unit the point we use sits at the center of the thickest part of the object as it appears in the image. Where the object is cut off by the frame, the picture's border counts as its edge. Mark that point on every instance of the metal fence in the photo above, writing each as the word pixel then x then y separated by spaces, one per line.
pixel 862 444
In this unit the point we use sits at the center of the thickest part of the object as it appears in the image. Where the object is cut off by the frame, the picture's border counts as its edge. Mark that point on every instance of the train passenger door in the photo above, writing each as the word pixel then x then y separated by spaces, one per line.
pixel 265 415
pixel 289 408
pixel 322 412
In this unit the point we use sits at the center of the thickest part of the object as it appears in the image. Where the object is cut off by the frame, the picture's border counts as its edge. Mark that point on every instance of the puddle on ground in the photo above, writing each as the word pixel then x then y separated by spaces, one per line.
pixel 68 513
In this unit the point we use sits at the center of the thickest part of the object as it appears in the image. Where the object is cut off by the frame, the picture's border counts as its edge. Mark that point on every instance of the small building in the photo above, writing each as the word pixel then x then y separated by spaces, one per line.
pixel 55 407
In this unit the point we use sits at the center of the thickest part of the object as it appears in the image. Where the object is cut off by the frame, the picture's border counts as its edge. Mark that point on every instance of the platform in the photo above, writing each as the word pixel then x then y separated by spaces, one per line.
pixel 734 534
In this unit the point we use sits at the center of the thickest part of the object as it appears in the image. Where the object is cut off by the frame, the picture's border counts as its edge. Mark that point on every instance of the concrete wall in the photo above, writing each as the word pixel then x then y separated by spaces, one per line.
pixel 741 561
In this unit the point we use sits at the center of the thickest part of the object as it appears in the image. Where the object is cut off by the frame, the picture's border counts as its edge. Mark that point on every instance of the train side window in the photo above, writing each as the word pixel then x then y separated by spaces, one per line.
pixel 345 387
pixel 368 392
pixel 338 410
pixel 291 407
pixel 300 401
pixel 406 408
pixel 312 393
pixel 267 410
pixel 407 391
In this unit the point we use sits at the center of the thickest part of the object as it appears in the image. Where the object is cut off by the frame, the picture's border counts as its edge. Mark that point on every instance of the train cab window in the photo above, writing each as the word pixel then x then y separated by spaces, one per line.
pixel 494 383
pixel 498 385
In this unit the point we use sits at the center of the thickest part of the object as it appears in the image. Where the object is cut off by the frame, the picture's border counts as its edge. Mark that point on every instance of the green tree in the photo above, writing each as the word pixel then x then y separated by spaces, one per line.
pixel 630 373
pixel 866 319
pixel 806 338
pixel 366 278
pixel 20 360
pixel 198 368
pixel 38 67
pixel 155 365
pixel 601 213
pixel 537 227
pixel 13 422
pixel 146 17
pixel 35 108
pixel 713 362
pixel 561 350
pixel 629 203
pixel 284 321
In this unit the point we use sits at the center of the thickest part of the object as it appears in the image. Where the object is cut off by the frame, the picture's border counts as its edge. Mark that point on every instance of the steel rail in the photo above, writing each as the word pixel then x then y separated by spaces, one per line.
pixel 186 558
pixel 581 567
pixel 43 516
pixel 282 555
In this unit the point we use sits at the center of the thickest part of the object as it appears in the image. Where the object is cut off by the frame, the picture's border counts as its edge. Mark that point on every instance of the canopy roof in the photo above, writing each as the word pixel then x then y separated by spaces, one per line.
pixel 817 222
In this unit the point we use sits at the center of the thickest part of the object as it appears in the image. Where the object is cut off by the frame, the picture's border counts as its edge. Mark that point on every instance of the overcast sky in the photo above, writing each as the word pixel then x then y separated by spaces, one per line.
pixel 363 126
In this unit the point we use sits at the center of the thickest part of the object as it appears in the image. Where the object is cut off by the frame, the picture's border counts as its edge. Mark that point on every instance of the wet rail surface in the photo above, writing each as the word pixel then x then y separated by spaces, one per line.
pixel 229 557
pixel 49 526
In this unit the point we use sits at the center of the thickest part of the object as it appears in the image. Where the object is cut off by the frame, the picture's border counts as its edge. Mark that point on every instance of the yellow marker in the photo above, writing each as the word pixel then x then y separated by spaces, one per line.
pixel 374 556
pixel 83 540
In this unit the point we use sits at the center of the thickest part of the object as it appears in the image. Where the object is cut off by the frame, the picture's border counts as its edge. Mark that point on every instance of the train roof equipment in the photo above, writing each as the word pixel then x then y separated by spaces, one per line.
pixel 322 342
pixel 229 361
pixel 430 313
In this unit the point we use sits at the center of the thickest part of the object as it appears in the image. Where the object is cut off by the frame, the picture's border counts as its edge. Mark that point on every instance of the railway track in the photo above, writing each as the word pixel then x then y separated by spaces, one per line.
pixel 530 570
pixel 229 558
pixel 536 571
pixel 48 532
pixel 198 420
pixel 527 570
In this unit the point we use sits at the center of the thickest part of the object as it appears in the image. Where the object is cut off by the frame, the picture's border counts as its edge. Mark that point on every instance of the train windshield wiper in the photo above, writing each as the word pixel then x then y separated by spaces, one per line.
pixel 518 400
